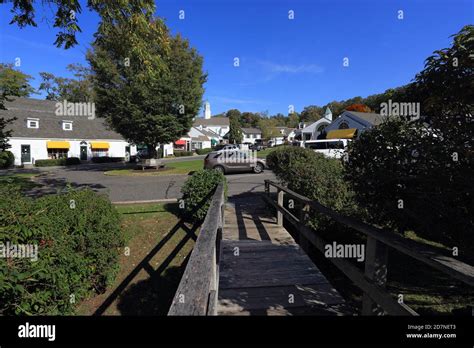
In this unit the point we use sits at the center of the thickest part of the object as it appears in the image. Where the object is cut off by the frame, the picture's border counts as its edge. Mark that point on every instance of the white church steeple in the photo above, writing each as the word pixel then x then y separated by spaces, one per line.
pixel 207 110
pixel 328 114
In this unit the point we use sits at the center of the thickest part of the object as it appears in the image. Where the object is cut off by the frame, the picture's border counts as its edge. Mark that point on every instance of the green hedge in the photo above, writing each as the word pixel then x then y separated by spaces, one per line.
pixel 57 162
pixel 77 235
pixel 197 192
pixel 107 159
pixel 6 159
pixel 203 151
pixel 182 153
pixel 408 180
pixel 314 176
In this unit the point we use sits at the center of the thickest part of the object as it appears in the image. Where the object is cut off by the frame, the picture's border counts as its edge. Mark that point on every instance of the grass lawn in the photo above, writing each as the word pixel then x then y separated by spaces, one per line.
pixel 23 180
pixel 184 168
pixel 150 234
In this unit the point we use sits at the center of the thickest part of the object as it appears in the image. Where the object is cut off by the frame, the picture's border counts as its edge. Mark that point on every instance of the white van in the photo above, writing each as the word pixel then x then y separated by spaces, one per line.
pixel 333 148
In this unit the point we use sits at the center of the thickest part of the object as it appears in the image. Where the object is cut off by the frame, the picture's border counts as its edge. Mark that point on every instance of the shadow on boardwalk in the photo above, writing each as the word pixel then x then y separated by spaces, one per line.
pixel 263 271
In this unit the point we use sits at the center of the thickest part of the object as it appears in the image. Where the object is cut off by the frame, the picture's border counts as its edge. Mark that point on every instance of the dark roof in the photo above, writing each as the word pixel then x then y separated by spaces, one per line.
pixel 374 119
pixel 251 130
pixel 213 121
pixel 50 125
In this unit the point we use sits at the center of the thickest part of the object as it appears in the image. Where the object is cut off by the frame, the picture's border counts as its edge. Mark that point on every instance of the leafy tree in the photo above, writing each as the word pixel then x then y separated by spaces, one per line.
pixel 4 133
pixel 311 113
pixel 233 112
pixel 268 128
pixel 12 83
pixel 293 120
pixel 249 119
pixel 147 84
pixel 445 85
pixel 72 90
pixel 418 175
pixel 235 131
pixel 66 14
pixel 358 108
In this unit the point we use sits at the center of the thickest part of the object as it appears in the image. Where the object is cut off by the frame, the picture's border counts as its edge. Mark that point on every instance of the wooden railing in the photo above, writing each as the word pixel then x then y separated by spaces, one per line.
pixel 373 280
pixel 198 290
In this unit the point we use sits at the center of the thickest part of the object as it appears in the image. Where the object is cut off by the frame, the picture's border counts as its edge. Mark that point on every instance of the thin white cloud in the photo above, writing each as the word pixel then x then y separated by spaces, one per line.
pixel 290 68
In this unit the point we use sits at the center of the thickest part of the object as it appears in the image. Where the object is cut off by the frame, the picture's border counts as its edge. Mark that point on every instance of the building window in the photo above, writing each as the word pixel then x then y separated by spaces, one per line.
pixel 321 128
pixel 32 123
pixel 57 153
pixel 67 126
pixel 343 125
pixel 195 145
pixel 100 152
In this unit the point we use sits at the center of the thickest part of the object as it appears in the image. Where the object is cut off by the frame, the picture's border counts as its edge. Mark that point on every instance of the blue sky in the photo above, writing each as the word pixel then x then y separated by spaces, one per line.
pixel 282 62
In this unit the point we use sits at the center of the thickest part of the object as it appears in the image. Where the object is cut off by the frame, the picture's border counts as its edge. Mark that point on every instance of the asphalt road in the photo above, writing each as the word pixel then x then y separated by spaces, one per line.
pixel 138 188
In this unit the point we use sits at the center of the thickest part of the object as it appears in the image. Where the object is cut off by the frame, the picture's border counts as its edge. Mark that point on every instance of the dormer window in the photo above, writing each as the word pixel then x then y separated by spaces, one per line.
pixel 32 123
pixel 67 125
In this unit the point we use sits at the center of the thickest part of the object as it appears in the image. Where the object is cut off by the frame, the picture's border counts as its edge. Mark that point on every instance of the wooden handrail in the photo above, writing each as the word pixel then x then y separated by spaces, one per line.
pixel 378 240
pixel 198 289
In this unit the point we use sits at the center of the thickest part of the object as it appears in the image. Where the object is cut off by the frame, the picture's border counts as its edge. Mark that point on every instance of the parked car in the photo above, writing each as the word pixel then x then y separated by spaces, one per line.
pixel 256 147
pixel 227 147
pixel 333 148
pixel 234 162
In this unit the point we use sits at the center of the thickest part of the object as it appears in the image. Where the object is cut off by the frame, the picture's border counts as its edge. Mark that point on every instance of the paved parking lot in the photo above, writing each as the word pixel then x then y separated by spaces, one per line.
pixel 137 188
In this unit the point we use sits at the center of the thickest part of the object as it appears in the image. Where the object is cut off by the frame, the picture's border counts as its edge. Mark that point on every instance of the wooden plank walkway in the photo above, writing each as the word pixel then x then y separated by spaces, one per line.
pixel 264 272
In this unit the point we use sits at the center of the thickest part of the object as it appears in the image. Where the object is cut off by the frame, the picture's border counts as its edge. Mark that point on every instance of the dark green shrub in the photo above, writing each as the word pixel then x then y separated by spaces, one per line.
pixel 72 161
pixel 50 162
pixel 182 153
pixel 203 151
pixel 314 176
pixel 106 159
pixel 57 162
pixel 198 190
pixel 77 250
pixel 408 179
pixel 6 159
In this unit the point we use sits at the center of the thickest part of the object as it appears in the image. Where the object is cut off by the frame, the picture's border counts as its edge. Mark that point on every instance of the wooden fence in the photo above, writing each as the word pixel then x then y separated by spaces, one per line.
pixel 198 290
pixel 373 280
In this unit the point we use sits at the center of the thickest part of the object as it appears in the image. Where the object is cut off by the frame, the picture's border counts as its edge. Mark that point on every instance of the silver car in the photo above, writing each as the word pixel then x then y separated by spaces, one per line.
pixel 234 161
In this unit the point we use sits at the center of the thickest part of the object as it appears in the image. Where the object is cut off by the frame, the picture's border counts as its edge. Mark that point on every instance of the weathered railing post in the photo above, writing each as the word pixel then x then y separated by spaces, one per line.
pixel 267 188
pixel 376 256
pixel 304 217
pixel 280 203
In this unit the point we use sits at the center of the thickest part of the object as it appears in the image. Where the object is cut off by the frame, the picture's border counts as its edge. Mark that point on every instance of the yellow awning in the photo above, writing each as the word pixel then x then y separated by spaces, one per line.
pixel 96 145
pixel 57 145
pixel 342 133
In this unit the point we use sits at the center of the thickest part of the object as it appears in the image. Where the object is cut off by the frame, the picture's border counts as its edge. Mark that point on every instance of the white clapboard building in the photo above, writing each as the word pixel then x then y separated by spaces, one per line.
pixel 39 133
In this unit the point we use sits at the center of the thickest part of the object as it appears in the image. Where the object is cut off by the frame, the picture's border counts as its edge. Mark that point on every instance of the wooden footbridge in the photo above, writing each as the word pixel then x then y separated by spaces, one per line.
pixel 245 262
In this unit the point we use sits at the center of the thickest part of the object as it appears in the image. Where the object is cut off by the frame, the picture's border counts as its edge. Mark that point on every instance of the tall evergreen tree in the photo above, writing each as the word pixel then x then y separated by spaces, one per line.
pixel 235 132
